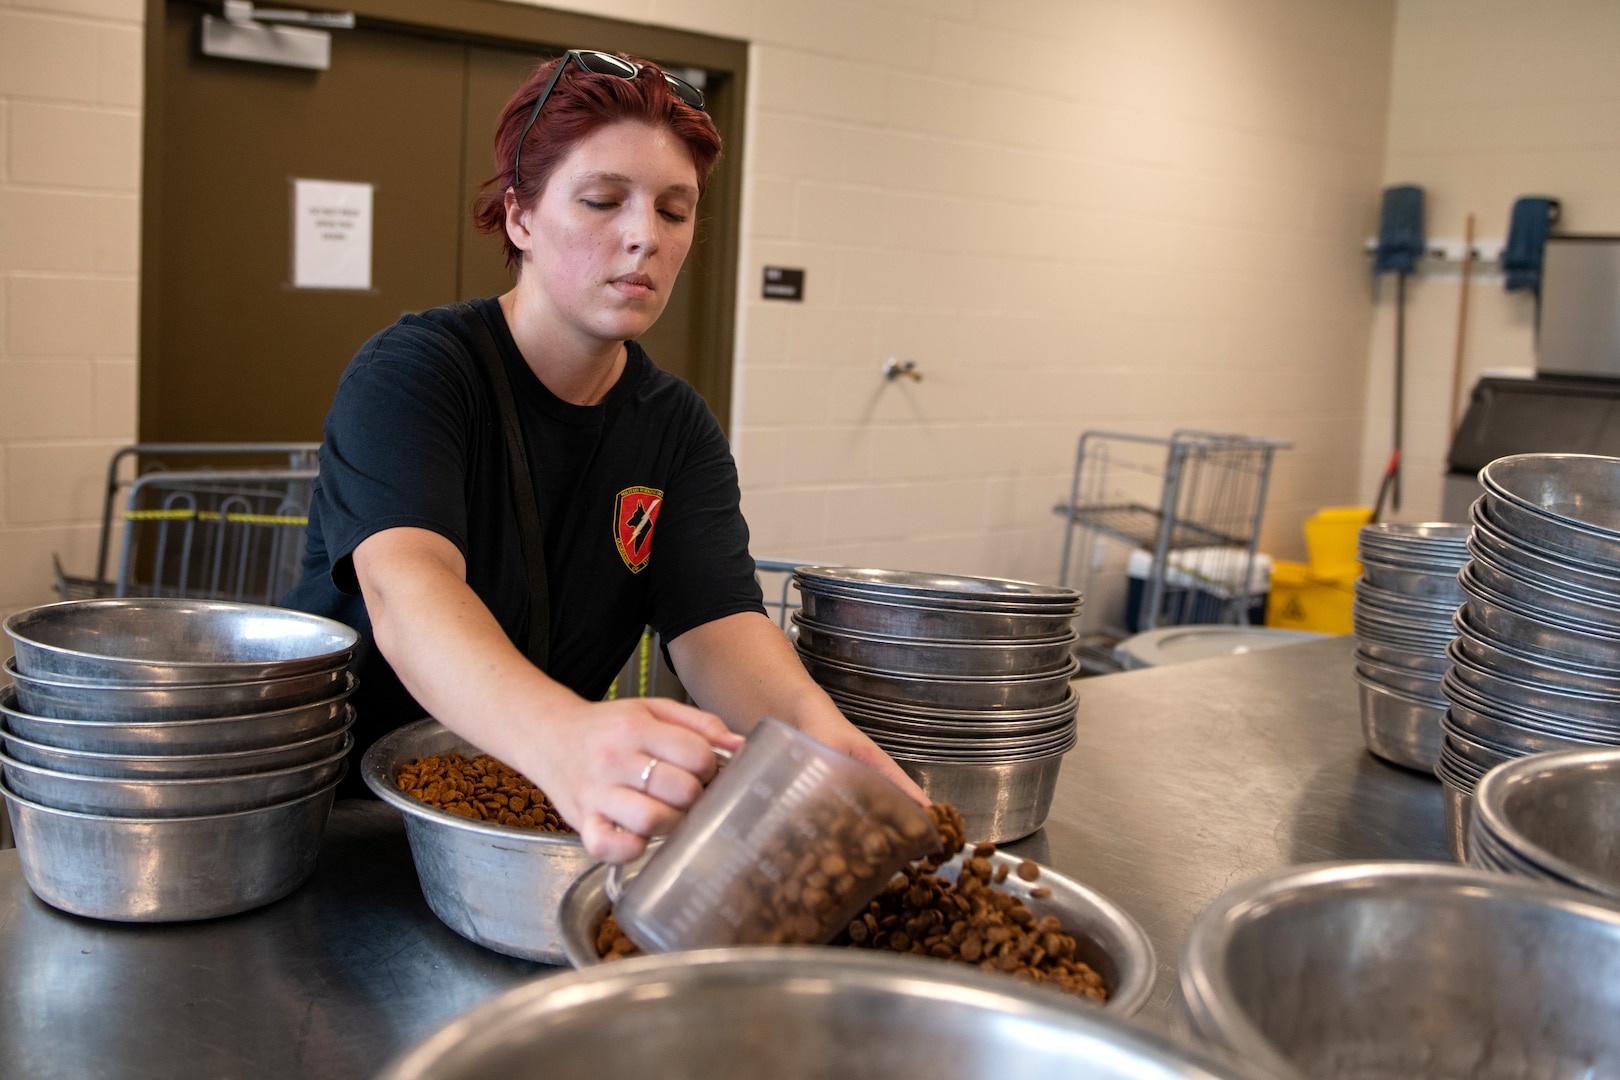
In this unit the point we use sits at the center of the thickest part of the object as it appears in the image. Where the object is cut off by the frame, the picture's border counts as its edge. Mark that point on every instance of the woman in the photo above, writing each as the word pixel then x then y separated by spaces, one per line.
pixel 422 528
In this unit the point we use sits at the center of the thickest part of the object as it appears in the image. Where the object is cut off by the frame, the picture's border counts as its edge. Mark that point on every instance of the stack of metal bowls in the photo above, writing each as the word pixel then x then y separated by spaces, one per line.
pixel 172 759
pixel 1536 663
pixel 964 681
pixel 1551 817
pixel 1405 599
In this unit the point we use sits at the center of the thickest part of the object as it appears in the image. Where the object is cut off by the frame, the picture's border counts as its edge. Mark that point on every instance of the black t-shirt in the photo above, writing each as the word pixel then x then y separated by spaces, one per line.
pixel 638 497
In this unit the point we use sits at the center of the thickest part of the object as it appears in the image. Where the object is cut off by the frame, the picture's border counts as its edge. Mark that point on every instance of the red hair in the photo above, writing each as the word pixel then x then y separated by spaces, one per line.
pixel 581 102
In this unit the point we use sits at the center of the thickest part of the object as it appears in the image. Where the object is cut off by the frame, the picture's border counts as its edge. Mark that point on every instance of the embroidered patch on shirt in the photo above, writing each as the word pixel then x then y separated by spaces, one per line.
pixel 635 511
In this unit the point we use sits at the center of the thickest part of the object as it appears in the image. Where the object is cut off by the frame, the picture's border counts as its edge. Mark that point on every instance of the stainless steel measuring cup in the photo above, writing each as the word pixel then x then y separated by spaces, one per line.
pixel 788 843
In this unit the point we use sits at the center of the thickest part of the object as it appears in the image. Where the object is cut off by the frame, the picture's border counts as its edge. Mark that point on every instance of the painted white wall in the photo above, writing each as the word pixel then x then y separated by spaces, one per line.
pixel 1489 100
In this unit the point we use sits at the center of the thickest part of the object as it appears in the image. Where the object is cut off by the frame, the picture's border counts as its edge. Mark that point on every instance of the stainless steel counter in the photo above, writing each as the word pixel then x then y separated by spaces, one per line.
pixel 1185 779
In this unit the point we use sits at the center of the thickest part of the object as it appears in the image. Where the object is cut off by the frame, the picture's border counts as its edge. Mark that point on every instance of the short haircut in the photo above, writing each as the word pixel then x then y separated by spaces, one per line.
pixel 581 102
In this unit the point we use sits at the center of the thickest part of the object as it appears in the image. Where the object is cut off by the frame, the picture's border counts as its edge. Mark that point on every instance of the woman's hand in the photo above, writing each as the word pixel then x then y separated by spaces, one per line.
pixel 592 760
pixel 589 758
pixel 744 668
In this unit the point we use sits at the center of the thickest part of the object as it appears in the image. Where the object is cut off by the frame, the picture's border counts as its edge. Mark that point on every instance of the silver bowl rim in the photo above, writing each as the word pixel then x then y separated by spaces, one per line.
pixel 1490 479
pixel 1374 596
pixel 1062 674
pixel 1490 799
pixel 877 706
pixel 1532 720
pixel 373 767
pixel 9 694
pixel 112 819
pixel 1404 698
pixel 1069 636
pixel 193 783
pixel 1497 534
pixel 195 759
pixel 904 583
pixel 1030 1002
pixel 338 658
pixel 1556 587
pixel 1207 992
pixel 10 669
pixel 925 758
pixel 1012 611
pixel 1414 532
pixel 1459 658
pixel 1563 666
pixel 1551 619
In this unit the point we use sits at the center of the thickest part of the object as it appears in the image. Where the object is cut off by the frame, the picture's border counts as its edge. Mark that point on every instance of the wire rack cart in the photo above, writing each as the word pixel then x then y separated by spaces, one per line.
pixel 1191 502
pixel 230 530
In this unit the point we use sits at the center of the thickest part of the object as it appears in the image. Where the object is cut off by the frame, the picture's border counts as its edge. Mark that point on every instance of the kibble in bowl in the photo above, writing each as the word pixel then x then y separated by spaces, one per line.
pixel 499 885
pixel 1079 940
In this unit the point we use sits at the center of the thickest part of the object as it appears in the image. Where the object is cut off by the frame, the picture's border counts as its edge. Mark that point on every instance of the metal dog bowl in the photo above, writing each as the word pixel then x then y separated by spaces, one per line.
pixel 1107 938
pixel 910 586
pixel 176 766
pixel 1501 619
pixel 999 801
pixel 951 691
pixel 1551 672
pixel 1563 503
pixel 908 620
pixel 1580 709
pixel 495 885
pixel 1430 659
pixel 1402 680
pixel 1438 584
pixel 1490 540
pixel 216 735
pixel 905 656
pixel 1399 727
pixel 67 700
pixel 1360 970
pixel 170 798
pixel 791 1014
pixel 1553 816
pixel 1459 802
pixel 161 641
pixel 168 870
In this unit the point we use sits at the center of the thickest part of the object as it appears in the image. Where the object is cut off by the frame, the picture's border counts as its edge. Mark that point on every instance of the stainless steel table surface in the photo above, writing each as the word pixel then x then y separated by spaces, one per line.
pixel 1185 779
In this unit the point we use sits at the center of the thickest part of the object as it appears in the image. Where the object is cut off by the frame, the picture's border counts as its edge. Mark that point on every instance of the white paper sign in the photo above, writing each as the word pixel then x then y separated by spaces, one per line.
pixel 331 235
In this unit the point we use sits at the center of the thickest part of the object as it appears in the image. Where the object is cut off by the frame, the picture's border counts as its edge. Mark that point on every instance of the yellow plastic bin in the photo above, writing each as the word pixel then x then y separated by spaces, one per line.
pixel 1304 599
pixel 1331 536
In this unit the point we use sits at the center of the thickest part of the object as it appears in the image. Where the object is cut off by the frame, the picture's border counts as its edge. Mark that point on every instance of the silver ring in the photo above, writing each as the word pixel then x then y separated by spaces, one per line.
pixel 646 774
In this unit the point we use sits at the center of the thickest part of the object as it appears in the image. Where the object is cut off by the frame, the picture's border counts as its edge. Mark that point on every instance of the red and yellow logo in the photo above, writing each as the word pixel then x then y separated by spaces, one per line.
pixel 635 512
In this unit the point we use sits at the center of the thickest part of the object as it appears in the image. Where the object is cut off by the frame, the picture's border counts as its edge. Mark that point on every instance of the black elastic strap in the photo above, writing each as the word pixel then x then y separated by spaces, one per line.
pixel 528 511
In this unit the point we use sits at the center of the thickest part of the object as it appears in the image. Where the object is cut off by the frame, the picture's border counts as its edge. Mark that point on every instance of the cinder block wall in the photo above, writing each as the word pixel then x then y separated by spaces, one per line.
pixel 70 128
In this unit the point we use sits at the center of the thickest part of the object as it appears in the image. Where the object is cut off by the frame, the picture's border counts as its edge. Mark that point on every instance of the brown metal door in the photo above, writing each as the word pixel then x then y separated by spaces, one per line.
pixel 241 355
pixel 230 350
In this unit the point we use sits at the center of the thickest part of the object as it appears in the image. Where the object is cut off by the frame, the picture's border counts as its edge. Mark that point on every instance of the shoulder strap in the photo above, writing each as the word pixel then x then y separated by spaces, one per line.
pixel 523 501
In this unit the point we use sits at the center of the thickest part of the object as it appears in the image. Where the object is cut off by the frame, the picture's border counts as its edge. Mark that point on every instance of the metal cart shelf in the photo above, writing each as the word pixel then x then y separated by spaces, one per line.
pixel 1192 501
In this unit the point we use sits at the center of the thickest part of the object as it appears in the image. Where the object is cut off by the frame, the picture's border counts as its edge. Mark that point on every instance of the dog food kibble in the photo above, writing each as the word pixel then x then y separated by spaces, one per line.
pixel 968 920
pixel 480 788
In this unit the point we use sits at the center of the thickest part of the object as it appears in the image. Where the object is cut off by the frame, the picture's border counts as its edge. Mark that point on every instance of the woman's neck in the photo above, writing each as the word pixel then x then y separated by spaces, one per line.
pixel 579 371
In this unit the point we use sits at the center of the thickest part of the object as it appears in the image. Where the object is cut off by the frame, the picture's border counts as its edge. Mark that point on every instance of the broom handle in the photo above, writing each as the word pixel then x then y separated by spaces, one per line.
pixel 1462 321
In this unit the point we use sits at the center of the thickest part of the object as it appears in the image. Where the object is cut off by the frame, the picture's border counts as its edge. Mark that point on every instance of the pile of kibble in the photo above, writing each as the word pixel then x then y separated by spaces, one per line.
pixel 969 920
pixel 480 788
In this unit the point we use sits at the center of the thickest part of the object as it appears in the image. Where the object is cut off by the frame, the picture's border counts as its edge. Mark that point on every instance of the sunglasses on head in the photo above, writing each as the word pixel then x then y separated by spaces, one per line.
pixel 597 63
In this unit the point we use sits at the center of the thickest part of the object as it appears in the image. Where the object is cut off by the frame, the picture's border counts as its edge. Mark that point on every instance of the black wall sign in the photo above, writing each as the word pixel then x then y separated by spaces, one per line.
pixel 782 283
